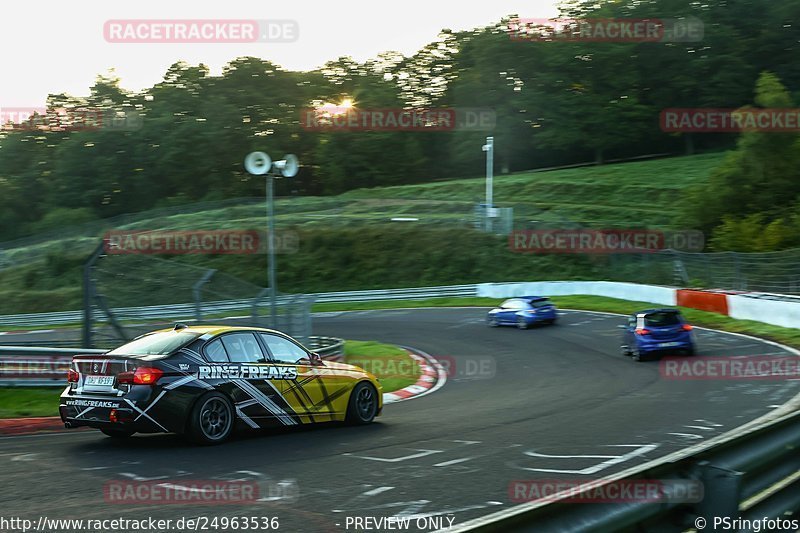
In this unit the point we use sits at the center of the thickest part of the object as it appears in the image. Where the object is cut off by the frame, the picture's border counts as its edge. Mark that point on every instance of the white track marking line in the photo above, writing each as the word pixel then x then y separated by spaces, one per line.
pixel 423 453
pixel 376 491
pixel 454 461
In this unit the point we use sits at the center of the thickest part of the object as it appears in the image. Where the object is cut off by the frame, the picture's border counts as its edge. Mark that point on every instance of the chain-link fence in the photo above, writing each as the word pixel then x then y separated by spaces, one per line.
pixel 118 287
pixel 777 272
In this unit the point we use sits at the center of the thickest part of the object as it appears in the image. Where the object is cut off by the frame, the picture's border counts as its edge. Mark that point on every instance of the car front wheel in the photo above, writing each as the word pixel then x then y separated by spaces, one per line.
pixel 363 405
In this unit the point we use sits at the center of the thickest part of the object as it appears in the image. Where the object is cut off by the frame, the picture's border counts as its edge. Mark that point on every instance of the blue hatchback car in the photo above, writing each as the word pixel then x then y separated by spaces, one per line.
pixel 656 331
pixel 523 312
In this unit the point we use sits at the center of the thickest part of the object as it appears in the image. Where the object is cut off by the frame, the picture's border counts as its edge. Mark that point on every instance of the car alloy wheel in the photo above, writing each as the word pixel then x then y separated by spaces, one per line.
pixel 363 405
pixel 211 421
pixel 215 418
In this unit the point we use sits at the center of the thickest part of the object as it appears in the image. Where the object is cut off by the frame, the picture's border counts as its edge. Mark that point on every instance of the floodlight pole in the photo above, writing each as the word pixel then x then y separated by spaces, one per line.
pixel 489 149
pixel 271 252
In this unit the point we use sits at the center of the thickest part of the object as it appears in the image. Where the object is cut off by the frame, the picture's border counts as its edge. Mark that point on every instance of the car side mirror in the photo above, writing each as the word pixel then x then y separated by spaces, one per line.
pixel 316 359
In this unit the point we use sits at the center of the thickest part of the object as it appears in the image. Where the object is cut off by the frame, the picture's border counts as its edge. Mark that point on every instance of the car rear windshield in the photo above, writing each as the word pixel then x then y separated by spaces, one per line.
pixel 540 303
pixel 665 318
pixel 163 343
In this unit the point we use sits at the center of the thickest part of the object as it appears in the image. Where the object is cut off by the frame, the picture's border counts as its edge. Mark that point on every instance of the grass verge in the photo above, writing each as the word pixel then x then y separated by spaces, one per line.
pixel 20 402
pixel 391 365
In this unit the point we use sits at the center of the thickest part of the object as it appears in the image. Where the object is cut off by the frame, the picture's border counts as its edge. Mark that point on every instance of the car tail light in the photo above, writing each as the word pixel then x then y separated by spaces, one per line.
pixel 687 327
pixel 112 416
pixel 143 376
pixel 72 376
pixel 642 331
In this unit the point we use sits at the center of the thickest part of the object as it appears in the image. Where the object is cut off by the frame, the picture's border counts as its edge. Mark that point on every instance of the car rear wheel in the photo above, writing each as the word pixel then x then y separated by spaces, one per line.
pixel 522 323
pixel 117 433
pixel 211 419
pixel 624 350
pixel 363 405
pixel 637 355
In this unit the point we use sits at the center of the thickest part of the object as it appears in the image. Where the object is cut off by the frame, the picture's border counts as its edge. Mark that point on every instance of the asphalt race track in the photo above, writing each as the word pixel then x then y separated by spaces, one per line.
pixel 550 402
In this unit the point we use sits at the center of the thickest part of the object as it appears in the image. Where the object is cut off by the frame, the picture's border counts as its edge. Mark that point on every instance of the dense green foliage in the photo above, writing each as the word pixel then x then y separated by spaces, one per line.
pixel 556 103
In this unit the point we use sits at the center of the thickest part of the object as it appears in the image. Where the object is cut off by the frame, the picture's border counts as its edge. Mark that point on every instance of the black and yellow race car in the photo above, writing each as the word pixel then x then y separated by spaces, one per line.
pixel 203 381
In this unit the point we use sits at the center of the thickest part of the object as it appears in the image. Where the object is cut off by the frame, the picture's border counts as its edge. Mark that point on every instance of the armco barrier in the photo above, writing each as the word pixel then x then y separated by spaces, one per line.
pixel 612 289
pixel 777 312
pixel 715 302
pixel 41 367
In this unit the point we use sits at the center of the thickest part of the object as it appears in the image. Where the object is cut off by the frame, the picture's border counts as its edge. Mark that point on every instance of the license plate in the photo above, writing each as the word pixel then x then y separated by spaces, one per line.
pixel 99 381
pixel 668 344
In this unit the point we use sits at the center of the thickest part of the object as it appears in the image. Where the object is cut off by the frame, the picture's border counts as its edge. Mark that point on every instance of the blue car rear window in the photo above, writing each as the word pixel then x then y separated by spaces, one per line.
pixel 657 320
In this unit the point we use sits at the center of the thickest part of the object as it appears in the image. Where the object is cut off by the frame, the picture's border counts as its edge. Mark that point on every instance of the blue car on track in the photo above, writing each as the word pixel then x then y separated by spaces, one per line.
pixel 656 331
pixel 523 312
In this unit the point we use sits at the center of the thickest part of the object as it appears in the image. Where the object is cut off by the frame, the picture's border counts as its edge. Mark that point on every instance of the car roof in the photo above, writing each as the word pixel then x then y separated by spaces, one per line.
pixel 215 330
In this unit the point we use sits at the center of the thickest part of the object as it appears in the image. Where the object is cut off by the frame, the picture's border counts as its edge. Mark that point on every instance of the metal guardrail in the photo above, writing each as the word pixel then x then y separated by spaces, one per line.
pixel 330 348
pixel 30 366
pixel 188 310
pixel 751 476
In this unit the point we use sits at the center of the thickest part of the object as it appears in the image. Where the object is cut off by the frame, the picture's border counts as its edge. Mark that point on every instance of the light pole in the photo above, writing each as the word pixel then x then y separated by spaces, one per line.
pixel 257 164
pixel 489 149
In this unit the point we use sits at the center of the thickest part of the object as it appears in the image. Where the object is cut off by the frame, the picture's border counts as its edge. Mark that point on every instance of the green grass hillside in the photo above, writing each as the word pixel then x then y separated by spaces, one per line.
pixel 349 242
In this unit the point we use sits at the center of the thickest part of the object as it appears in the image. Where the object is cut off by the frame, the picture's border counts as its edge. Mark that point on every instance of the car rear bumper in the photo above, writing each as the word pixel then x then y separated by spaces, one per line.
pixel 666 346
pixel 540 317
pixel 100 413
